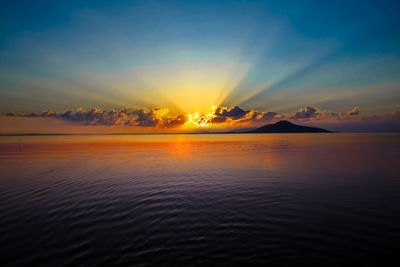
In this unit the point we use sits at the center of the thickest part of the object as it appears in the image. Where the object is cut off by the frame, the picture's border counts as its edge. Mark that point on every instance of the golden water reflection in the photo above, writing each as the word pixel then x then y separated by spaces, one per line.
pixel 282 154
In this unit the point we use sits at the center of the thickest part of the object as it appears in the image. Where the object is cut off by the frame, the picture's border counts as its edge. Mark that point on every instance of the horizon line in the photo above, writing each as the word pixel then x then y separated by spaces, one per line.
pixel 171 133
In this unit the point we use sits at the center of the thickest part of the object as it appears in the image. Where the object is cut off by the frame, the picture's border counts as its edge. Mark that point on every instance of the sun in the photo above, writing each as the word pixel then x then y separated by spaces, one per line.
pixel 198 120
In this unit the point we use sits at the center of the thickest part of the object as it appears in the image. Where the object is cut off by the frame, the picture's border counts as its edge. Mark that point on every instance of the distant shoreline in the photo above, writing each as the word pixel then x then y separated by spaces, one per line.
pixel 99 134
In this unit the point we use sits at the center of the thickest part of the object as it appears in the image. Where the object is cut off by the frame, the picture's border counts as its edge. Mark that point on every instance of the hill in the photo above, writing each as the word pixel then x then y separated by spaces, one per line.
pixel 287 127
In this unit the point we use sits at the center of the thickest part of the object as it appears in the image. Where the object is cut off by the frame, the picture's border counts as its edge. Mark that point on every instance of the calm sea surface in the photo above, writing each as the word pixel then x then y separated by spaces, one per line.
pixel 254 199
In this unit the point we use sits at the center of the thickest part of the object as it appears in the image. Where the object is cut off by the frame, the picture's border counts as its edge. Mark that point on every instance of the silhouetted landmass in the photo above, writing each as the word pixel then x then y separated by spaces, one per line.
pixel 287 127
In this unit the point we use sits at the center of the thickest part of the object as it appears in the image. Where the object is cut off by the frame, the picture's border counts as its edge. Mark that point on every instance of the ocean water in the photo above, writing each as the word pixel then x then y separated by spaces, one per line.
pixel 249 199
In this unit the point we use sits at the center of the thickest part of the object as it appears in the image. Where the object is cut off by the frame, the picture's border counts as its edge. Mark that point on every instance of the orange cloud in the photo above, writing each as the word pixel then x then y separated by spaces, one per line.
pixel 354 111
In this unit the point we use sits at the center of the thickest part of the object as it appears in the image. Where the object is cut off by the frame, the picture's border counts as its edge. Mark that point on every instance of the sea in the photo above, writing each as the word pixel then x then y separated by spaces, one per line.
pixel 324 199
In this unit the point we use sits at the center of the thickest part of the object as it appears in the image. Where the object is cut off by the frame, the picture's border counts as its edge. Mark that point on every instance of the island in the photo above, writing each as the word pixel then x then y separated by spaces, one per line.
pixel 287 127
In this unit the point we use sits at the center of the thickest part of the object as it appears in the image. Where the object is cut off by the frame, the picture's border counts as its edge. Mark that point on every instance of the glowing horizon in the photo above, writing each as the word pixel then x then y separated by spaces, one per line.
pixel 186 60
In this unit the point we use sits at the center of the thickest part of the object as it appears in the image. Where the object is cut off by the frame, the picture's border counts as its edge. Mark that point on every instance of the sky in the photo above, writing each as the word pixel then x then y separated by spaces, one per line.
pixel 147 66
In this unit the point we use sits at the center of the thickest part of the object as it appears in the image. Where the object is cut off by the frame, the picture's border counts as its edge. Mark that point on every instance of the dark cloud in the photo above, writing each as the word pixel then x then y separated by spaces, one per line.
pixel 33 115
pixel 312 113
pixel 218 119
pixel 223 114
pixel 139 117
pixel 175 122
pixel 237 114
pixel 267 116
pixel 93 117
pixel 234 113
pixel 12 114
pixel 146 119
pixel 354 111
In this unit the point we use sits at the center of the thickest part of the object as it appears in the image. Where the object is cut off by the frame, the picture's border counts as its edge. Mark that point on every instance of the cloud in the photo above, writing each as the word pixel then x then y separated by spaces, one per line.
pixel 348 120
pixel 93 117
pixel 394 116
pixel 237 114
pixel 267 116
pixel 12 114
pixel 354 111
pixel 175 122
pixel 146 119
pixel 155 117
pixel 218 119
pixel 305 113
pixel 48 113
pixel 391 117
pixel 225 116
pixel 312 113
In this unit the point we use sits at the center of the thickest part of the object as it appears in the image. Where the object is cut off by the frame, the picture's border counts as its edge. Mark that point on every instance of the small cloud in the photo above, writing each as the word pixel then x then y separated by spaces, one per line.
pixel 267 116
pixel 33 115
pixel 48 113
pixel 12 114
pixel 306 113
pixel 394 116
pixel 354 111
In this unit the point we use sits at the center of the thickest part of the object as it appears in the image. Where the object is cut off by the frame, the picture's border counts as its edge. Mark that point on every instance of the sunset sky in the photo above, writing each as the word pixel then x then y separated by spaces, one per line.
pixel 148 66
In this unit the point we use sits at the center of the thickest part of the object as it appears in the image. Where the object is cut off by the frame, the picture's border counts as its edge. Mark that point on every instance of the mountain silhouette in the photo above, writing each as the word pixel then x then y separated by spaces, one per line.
pixel 287 127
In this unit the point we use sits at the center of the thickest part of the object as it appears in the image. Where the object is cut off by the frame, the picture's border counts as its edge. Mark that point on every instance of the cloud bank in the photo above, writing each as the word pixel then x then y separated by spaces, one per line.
pixel 156 117
pixel 219 117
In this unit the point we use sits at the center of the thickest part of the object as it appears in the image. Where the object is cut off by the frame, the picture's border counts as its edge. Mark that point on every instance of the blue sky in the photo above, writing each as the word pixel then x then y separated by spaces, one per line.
pixel 189 55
